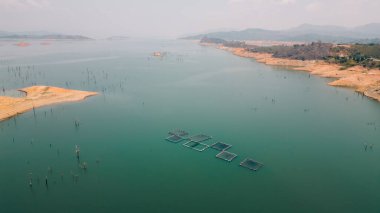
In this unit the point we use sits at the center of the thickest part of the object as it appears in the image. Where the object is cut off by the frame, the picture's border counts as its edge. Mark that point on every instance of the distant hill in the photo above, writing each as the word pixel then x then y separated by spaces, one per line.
pixel 370 29
pixel 117 38
pixel 40 35
pixel 306 33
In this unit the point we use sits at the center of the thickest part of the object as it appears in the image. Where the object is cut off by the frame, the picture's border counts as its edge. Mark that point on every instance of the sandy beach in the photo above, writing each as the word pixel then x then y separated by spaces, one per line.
pixel 39 96
pixel 365 81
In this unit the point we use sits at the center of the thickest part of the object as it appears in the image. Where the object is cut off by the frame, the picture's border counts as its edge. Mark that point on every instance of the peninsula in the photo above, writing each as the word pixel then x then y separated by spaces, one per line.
pixel 39 96
pixel 352 70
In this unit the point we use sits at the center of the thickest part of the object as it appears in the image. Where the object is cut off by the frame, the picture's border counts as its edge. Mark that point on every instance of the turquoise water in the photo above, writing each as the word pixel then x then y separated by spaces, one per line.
pixel 310 136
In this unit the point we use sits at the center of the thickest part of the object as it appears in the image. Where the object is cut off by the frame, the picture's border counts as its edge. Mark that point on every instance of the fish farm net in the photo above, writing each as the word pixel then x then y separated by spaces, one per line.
pixel 199 138
pixel 251 164
pixel 196 146
pixel 179 132
pixel 227 156
pixel 220 146
pixel 174 138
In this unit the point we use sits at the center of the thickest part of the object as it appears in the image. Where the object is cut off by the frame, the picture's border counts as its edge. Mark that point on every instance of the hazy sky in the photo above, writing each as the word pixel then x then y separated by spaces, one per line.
pixel 171 18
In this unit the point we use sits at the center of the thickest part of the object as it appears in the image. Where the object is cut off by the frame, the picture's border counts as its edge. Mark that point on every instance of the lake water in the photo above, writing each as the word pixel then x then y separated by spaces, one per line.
pixel 310 136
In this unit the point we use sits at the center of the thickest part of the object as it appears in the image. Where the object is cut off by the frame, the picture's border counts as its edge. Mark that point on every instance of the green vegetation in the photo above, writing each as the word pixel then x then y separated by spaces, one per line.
pixel 213 40
pixel 269 49
pixel 313 51
pixel 366 55
pixel 239 44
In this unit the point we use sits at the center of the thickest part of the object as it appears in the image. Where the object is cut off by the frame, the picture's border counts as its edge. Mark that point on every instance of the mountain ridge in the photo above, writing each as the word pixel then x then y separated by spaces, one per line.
pixel 40 35
pixel 304 32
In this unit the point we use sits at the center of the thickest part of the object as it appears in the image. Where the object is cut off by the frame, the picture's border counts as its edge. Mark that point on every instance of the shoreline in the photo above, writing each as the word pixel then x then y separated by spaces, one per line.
pixel 362 80
pixel 38 96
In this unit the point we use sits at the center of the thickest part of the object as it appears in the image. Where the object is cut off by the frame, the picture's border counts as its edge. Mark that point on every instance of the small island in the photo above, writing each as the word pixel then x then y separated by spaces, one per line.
pixel 39 96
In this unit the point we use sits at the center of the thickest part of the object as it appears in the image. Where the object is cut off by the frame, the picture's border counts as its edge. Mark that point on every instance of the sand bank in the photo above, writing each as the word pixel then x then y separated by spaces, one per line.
pixel 38 96
pixel 365 81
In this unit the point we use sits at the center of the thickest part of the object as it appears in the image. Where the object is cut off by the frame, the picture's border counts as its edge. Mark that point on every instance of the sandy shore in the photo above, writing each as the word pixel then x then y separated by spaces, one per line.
pixel 38 96
pixel 365 81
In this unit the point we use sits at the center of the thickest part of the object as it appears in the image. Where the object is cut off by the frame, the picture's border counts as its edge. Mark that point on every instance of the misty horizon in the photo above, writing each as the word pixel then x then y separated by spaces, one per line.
pixel 172 19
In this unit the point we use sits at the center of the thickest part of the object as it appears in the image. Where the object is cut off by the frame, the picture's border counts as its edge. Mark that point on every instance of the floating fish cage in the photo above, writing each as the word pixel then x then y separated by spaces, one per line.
pixel 221 146
pixel 227 156
pixel 196 142
pixel 200 147
pixel 176 135
pixel 251 164
pixel 174 138
pixel 179 132
pixel 199 138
